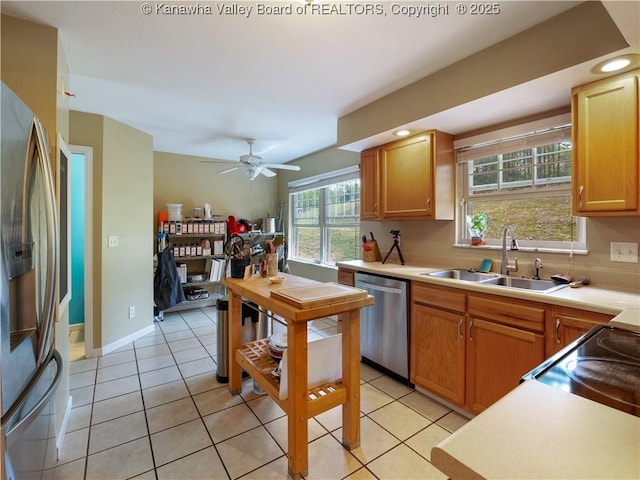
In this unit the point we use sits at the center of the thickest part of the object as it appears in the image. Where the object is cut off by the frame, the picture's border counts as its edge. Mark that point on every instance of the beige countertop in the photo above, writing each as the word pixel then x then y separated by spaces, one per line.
pixel 592 298
pixel 539 432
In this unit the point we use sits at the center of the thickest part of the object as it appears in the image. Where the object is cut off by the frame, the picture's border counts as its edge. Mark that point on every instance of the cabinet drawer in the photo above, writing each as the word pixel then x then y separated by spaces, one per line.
pixel 346 277
pixel 510 312
pixel 446 298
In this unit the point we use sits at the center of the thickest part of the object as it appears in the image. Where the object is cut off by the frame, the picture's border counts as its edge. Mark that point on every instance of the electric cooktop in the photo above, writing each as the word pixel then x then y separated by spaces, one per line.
pixel 603 365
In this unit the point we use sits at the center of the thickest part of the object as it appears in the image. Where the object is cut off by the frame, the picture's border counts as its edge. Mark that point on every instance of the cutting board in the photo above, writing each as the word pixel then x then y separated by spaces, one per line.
pixel 319 295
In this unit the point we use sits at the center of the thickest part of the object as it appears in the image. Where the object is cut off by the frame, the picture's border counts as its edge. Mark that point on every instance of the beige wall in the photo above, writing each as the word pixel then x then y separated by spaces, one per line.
pixel 29 67
pixel 122 191
pixel 185 179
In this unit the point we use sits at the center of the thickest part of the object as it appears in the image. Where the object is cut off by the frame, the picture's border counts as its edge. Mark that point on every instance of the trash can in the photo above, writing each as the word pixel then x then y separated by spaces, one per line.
pixel 222 358
pixel 254 327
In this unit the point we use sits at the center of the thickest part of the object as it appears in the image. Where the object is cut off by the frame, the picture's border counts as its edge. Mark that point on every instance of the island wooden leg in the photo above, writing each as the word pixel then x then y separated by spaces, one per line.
pixel 351 378
pixel 297 411
pixel 235 340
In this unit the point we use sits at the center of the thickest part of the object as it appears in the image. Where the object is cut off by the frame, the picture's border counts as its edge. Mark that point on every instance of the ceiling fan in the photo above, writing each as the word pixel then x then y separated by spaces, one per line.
pixel 253 165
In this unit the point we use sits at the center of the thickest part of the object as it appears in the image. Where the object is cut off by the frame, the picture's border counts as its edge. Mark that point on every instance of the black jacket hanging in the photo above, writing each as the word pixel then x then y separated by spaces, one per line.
pixel 167 290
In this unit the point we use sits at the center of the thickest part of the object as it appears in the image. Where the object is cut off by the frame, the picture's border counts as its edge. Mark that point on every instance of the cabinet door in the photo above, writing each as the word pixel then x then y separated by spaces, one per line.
pixel 569 325
pixel 497 356
pixel 437 352
pixel 369 184
pixel 605 147
pixel 407 178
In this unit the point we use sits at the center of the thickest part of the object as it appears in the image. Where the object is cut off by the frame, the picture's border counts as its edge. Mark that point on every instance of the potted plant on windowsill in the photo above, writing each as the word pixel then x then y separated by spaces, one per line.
pixel 477 225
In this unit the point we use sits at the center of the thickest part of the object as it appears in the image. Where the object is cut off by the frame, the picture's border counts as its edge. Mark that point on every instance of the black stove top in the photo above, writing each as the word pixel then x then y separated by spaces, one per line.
pixel 603 366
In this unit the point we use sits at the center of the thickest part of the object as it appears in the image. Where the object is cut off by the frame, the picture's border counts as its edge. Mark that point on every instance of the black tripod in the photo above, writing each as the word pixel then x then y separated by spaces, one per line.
pixel 396 245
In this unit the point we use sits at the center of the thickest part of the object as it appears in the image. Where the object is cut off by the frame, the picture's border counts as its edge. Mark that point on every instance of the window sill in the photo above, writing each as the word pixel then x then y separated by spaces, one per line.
pixel 565 251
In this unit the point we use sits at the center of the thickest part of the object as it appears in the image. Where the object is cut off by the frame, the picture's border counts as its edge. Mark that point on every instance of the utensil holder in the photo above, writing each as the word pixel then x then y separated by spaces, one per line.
pixel 272 264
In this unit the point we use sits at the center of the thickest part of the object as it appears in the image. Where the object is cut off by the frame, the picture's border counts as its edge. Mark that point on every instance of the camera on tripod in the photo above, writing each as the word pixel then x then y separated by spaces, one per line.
pixel 395 246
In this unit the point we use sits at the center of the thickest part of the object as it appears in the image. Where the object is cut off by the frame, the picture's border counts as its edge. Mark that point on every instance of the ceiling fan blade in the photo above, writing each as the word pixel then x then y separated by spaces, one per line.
pixel 294 168
pixel 267 173
pixel 228 170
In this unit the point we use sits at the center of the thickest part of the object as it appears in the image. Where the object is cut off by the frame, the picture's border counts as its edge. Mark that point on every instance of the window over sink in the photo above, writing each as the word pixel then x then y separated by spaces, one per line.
pixel 324 217
pixel 524 181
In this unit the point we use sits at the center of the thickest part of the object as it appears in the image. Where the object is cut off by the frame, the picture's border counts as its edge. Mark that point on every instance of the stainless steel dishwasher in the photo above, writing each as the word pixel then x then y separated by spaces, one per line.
pixel 384 326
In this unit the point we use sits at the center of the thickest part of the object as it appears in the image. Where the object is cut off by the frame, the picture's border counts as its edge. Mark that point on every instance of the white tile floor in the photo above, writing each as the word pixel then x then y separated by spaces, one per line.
pixel 154 410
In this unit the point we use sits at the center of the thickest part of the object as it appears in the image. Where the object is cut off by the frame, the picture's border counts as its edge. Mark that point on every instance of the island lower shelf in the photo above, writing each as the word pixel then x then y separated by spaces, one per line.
pixel 254 357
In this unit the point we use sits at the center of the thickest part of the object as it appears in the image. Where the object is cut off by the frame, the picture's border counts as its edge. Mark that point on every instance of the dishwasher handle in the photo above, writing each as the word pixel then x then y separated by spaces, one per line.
pixel 377 288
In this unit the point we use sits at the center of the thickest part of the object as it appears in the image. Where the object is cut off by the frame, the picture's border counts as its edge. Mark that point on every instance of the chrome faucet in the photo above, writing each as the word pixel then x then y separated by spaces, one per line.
pixel 505 268
pixel 537 265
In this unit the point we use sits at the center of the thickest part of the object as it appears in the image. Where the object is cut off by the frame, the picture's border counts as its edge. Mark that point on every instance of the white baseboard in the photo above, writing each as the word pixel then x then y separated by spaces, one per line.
pixel 63 428
pixel 124 341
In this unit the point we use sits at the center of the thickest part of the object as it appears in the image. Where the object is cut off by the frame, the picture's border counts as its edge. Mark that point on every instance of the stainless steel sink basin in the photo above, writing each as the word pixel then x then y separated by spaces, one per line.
pixel 465 275
pixel 545 286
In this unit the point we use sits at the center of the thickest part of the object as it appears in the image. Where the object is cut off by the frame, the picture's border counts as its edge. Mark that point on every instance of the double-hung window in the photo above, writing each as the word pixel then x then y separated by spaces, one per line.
pixel 324 217
pixel 525 182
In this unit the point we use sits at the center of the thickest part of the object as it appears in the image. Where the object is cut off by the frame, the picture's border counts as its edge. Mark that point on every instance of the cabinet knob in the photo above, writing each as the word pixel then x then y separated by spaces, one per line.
pixel 557 331
pixel 428 205
pixel 460 322
pixel 470 334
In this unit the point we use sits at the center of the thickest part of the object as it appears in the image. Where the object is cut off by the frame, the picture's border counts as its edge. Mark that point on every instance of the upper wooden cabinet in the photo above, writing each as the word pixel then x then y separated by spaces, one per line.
pixel 606 174
pixel 369 183
pixel 409 179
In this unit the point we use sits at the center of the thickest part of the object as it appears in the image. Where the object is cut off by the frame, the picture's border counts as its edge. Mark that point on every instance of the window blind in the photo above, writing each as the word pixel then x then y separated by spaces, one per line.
pixel 325 179
pixel 514 144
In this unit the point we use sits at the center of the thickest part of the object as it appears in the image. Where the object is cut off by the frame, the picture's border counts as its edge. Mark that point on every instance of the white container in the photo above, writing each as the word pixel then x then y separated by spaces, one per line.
pixel 175 212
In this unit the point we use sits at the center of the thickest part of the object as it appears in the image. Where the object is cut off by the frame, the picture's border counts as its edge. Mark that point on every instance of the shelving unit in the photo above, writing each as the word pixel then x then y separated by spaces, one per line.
pixel 196 262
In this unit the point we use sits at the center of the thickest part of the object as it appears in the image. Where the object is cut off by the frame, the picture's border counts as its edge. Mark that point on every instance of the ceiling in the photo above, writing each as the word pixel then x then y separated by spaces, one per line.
pixel 201 83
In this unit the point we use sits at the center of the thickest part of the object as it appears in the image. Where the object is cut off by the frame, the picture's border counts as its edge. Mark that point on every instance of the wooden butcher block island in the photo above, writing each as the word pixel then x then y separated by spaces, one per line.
pixel 299 300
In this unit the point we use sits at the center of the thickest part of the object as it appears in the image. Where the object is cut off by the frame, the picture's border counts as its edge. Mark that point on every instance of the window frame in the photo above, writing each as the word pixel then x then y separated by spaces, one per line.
pixel 322 183
pixel 538 134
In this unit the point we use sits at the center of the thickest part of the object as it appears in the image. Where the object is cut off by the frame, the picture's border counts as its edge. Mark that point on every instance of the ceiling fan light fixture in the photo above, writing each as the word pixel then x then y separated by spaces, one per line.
pixel 252 171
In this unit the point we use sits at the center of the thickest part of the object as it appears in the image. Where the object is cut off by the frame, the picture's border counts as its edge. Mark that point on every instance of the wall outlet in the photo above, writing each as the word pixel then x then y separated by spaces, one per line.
pixel 113 241
pixel 624 252
pixel 132 311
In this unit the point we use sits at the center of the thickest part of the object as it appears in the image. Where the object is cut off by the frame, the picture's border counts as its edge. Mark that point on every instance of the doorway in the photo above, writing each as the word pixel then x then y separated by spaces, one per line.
pixel 81 304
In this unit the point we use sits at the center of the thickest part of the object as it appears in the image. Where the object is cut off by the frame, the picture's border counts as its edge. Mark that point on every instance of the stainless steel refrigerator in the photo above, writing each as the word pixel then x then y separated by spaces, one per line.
pixel 30 367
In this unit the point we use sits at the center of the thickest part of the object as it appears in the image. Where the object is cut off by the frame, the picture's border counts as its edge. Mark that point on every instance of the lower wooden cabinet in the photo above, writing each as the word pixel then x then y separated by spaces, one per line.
pixel 568 324
pixel 438 352
pixel 346 277
pixel 471 350
pixel 496 357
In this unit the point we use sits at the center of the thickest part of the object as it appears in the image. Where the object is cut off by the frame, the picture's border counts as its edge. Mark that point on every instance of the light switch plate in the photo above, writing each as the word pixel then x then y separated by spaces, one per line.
pixel 626 252
pixel 113 241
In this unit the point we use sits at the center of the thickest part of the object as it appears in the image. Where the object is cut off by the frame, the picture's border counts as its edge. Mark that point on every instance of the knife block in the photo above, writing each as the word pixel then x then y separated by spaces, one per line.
pixel 371 252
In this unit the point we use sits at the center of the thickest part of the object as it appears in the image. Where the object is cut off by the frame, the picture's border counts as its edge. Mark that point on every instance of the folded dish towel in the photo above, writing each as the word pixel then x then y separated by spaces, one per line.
pixel 324 360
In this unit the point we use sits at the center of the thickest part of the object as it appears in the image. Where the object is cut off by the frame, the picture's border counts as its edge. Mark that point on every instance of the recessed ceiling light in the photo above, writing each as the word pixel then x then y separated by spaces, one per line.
pixel 403 132
pixel 615 64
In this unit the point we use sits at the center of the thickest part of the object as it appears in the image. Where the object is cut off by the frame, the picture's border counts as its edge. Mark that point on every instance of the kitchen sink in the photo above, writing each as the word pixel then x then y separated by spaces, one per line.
pixel 545 286
pixel 466 275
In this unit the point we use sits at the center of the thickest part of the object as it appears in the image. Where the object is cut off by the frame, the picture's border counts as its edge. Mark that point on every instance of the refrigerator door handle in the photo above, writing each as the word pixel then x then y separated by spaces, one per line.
pixel 19 427
pixel 39 150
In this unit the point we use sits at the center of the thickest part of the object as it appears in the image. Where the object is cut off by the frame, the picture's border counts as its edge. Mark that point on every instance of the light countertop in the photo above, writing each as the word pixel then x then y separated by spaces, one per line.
pixel 588 297
pixel 539 432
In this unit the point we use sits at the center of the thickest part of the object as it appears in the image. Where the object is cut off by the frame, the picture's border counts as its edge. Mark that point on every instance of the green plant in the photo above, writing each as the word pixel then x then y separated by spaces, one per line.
pixel 477 224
